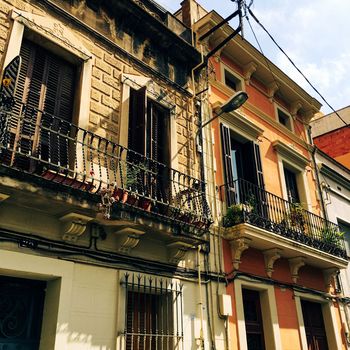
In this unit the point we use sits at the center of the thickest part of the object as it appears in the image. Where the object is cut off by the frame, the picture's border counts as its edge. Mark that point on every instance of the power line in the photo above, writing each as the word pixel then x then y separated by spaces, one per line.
pixel 294 65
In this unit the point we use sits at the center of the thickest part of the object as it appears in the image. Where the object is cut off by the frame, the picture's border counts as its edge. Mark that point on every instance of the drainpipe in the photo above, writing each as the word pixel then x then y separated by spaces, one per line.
pixel 314 164
pixel 200 303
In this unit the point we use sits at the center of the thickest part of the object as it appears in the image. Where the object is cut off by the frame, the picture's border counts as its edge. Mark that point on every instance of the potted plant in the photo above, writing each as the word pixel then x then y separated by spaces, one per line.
pixel 234 215
pixel 331 236
pixel 296 217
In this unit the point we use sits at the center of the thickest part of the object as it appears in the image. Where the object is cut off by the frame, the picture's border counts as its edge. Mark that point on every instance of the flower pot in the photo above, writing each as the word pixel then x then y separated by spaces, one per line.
pixel 145 204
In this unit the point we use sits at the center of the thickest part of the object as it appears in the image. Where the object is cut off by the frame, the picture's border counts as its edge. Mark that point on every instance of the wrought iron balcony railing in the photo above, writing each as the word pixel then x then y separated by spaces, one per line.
pixel 250 204
pixel 34 141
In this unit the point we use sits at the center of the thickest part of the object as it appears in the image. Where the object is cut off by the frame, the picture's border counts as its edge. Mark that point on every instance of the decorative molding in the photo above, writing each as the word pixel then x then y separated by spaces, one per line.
pixel 272 89
pixel 309 114
pixel 270 256
pixel 3 197
pixel 329 275
pixel 294 107
pixel 295 264
pixel 239 122
pixel 128 238
pixel 73 226
pixel 177 251
pixel 238 246
pixel 248 71
pixel 290 154
pixel 53 30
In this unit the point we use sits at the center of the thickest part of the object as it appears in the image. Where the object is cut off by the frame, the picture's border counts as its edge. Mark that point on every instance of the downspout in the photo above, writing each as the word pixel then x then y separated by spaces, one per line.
pixel 200 303
pixel 314 164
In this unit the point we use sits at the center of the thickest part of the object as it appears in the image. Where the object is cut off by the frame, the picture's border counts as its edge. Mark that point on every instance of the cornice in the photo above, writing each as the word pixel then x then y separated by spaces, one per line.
pixel 290 154
pixel 238 47
pixel 335 176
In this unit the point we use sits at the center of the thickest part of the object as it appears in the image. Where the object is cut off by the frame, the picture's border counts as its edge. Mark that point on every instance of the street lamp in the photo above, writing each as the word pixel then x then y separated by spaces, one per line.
pixel 233 103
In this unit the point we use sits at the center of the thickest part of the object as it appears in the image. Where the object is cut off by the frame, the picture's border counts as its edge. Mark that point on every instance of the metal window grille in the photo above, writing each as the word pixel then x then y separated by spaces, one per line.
pixel 153 313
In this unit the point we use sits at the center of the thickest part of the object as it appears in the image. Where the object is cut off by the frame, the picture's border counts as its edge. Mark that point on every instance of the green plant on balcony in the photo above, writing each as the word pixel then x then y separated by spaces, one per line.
pixel 297 217
pixel 331 235
pixel 234 215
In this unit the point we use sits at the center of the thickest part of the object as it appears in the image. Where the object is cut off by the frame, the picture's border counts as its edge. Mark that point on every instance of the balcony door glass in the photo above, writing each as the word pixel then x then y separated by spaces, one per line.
pixel 291 186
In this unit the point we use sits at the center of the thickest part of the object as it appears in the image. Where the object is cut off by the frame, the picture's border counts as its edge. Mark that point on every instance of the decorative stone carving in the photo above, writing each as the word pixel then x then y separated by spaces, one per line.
pixel 272 89
pixel 295 264
pixel 238 246
pixel 329 275
pixel 294 108
pixel 270 256
pixel 248 71
pixel 177 251
pixel 128 238
pixel 73 226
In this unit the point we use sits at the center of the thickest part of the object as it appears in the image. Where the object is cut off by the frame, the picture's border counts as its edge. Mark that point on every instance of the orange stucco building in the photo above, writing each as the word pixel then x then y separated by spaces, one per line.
pixel 280 255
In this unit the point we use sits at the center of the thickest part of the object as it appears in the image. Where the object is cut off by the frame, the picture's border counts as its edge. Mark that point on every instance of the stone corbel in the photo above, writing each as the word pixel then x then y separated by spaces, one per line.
pixel 329 275
pixel 248 71
pixel 238 246
pixel 272 89
pixel 128 238
pixel 308 115
pixel 294 108
pixel 177 251
pixel 295 264
pixel 270 256
pixel 73 226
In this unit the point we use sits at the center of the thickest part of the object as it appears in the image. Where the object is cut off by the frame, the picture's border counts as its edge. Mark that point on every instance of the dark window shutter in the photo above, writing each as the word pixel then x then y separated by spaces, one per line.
pixel 258 166
pixel 137 121
pixel 46 83
pixel 227 160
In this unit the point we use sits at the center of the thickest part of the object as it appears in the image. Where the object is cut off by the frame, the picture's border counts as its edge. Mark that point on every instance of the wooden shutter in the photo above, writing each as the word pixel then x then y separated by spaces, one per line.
pixel 137 121
pixel 227 161
pixel 258 166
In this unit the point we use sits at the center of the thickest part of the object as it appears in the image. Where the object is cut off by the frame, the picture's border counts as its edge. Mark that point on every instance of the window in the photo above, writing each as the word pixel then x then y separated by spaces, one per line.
pixel 284 119
pixel 242 165
pixel 345 227
pixel 153 314
pixel 291 186
pixel 232 81
pixel 45 99
pixel 253 319
pixel 314 325
pixel 21 312
pixel 149 127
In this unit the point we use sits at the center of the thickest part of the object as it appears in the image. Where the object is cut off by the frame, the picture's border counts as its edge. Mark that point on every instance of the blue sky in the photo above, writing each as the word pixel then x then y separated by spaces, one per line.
pixel 314 33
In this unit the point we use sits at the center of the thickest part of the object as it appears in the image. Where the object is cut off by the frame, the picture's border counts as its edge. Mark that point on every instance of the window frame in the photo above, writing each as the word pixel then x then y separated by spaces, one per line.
pixel 272 334
pixel 147 283
pixel 329 318
pixel 132 81
pixel 224 69
pixel 40 25
pixel 290 124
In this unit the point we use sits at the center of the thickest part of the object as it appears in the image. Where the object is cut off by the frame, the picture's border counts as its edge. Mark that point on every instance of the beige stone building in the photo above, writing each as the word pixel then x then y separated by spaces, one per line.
pixel 102 204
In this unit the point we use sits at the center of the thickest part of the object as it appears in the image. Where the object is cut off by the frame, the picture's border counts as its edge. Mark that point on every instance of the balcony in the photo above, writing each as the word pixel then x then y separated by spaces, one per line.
pixel 269 221
pixel 40 147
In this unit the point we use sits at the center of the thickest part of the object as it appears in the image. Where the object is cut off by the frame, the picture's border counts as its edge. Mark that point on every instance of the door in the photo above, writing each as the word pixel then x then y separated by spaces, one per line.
pixel 291 185
pixel 21 310
pixel 314 325
pixel 253 320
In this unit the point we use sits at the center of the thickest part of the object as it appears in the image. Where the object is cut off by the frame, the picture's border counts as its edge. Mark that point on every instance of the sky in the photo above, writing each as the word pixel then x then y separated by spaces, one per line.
pixel 314 33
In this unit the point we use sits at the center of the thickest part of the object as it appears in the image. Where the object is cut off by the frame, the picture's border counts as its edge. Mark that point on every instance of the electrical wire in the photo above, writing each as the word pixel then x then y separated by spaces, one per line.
pixel 294 65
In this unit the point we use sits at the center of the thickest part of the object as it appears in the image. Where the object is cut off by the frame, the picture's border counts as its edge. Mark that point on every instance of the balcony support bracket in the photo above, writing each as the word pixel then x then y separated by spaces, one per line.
pixel 177 251
pixel 128 238
pixel 329 275
pixel 73 225
pixel 238 246
pixel 270 256
pixel 295 264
